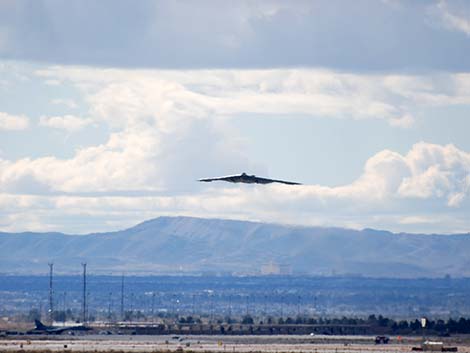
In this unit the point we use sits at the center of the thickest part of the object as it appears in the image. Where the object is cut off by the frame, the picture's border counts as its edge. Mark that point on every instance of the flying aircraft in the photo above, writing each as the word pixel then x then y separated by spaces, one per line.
pixel 248 179
pixel 43 329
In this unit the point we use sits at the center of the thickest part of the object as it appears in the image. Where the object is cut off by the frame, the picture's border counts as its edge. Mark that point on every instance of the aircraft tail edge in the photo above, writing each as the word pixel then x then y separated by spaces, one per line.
pixel 39 325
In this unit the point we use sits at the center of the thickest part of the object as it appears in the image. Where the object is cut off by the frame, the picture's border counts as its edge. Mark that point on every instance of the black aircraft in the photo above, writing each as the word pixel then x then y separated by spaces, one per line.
pixel 43 329
pixel 248 179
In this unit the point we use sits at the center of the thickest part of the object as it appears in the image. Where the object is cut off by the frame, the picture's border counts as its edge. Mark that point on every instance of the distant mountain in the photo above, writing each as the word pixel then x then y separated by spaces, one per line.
pixel 194 245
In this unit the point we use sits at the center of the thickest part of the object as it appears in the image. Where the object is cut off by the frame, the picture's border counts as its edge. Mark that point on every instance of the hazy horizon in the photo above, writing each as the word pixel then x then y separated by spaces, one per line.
pixel 295 225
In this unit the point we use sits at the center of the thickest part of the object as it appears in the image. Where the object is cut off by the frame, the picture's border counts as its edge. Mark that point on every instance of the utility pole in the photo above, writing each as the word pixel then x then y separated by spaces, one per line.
pixel 122 297
pixel 131 309
pixel 87 305
pixel 298 305
pixel 194 305
pixel 153 305
pixel 282 305
pixel 265 305
pixel 211 307
pixel 110 303
pixel 173 305
pixel 51 300
pixel 65 306
pixel 84 293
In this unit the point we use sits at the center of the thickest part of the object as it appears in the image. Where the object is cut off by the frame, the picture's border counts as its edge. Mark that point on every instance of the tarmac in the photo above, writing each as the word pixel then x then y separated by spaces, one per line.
pixel 213 344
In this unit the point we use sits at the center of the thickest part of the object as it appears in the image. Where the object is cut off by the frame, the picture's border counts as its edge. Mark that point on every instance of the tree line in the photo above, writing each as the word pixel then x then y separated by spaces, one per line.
pixel 377 324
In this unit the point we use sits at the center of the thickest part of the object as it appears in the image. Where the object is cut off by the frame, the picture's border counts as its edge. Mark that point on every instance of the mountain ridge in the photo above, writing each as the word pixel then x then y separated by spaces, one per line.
pixel 170 245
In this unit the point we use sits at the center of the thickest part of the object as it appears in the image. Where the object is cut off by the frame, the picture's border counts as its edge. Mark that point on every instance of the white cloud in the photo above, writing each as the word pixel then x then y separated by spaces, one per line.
pixel 167 98
pixel 169 129
pixel 140 156
pixel 419 220
pixel 459 22
pixel 405 121
pixel 69 123
pixel 13 122
pixel 437 172
pixel 429 178
pixel 69 103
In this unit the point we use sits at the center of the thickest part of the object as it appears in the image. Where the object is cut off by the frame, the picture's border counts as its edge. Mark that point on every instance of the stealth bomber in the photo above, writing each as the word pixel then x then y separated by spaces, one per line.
pixel 248 179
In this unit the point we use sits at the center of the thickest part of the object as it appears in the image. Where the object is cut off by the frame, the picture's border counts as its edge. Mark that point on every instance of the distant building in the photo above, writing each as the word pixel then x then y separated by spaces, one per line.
pixel 273 268
pixel 270 268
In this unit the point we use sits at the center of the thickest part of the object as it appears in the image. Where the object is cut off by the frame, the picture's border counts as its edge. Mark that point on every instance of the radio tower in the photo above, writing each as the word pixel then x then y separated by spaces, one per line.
pixel 51 301
pixel 84 292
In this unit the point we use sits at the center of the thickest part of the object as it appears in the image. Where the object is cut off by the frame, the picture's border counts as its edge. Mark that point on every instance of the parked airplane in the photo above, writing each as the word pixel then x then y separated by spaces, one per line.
pixel 248 179
pixel 41 328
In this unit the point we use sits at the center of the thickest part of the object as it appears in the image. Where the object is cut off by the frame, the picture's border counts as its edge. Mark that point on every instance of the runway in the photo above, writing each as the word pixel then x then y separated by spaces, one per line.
pixel 215 344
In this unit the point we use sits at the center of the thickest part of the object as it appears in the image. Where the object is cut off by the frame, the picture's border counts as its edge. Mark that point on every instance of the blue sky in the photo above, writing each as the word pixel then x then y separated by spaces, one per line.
pixel 110 110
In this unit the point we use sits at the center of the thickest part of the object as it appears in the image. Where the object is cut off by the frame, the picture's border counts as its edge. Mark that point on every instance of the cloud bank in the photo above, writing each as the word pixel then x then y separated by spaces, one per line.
pixel 358 36
pixel 169 128
pixel 394 188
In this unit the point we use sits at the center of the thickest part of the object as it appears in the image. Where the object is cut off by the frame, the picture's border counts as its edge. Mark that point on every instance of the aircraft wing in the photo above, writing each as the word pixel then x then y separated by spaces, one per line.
pixel 57 329
pixel 229 178
pixel 268 181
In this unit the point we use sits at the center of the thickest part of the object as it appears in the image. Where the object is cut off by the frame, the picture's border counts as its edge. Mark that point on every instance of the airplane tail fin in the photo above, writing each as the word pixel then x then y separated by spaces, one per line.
pixel 39 325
